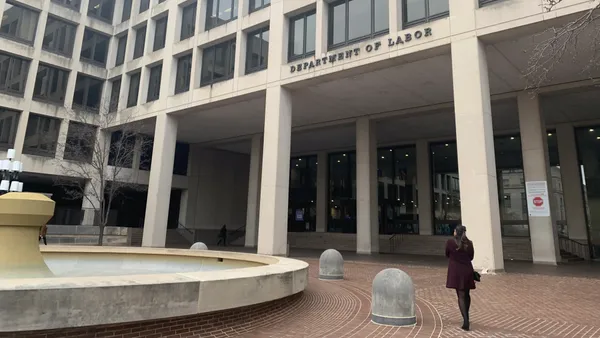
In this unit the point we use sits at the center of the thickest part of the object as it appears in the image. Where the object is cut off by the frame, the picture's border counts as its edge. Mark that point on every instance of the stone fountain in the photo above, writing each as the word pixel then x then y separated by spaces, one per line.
pixel 61 287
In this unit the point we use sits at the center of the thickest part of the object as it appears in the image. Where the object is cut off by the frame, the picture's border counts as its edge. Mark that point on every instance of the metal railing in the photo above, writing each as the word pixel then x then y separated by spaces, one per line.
pixel 574 247
pixel 181 226
pixel 395 241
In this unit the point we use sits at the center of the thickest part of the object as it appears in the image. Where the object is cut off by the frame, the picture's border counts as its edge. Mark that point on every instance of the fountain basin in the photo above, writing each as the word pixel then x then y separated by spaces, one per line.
pixel 142 284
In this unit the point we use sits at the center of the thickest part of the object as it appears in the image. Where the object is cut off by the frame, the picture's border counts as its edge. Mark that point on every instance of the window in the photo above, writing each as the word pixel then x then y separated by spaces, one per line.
pixel 9 120
pixel 74 4
pixel 94 47
pixel 485 2
pixel 81 139
pixel 258 4
pixel 302 209
pixel 160 33
pixel 122 148
pixel 19 22
pixel 88 92
pixel 302 36
pixel 184 71
pixel 420 11
pixel 220 12
pixel 354 20
pixel 218 63
pixel 140 42
pixel 41 135
pixel 59 36
pixel 342 193
pixel 154 83
pixel 258 50
pixel 13 73
pixel 122 44
pixel 126 10
pixel 188 21
pixel 115 92
pixel 134 89
pixel 102 9
pixel 51 84
pixel 144 5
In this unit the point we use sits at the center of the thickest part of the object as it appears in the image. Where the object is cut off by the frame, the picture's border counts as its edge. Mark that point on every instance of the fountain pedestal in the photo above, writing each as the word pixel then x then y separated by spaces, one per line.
pixel 21 217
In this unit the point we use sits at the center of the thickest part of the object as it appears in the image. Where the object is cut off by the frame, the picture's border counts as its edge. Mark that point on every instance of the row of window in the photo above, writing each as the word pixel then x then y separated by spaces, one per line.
pixel 42 133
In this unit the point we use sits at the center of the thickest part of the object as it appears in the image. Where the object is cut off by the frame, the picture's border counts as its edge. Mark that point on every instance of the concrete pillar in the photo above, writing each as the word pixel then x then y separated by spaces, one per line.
pixel 91 202
pixel 367 227
pixel 161 176
pixel 571 179
pixel 253 192
pixel 424 189
pixel 395 15
pixel 322 191
pixel 534 142
pixel 476 159
pixel 274 187
pixel 322 19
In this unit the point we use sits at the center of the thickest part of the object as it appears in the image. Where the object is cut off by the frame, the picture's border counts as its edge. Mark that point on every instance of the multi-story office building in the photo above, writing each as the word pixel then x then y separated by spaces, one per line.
pixel 366 125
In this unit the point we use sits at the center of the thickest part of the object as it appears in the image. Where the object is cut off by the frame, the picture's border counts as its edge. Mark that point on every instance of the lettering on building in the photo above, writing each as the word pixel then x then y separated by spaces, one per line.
pixel 332 58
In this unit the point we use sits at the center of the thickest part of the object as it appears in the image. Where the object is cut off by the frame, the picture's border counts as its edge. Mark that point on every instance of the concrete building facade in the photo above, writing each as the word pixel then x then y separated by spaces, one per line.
pixel 366 125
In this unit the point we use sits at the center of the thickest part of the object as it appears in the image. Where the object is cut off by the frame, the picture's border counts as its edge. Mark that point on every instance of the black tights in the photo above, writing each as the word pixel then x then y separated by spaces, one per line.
pixel 464 303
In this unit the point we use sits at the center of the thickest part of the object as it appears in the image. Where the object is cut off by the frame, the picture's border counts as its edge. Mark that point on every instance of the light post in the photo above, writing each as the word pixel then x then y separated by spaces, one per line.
pixel 9 172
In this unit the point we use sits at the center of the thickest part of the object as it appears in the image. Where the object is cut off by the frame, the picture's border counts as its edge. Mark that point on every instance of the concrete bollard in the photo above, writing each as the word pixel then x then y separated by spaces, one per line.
pixel 199 246
pixel 331 265
pixel 393 299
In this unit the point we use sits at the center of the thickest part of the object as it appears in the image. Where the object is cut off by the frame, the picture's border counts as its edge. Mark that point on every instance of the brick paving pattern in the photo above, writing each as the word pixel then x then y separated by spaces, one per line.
pixel 504 305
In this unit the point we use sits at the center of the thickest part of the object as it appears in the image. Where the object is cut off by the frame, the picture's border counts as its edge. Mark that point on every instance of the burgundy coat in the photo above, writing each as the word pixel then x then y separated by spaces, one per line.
pixel 460 268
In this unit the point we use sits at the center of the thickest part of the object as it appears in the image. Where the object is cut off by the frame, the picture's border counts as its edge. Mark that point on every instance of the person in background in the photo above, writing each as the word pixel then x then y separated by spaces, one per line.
pixel 460 253
pixel 43 232
pixel 223 236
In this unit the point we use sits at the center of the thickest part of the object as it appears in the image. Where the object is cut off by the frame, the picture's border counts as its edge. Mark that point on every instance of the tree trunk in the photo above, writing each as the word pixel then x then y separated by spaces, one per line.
pixel 101 235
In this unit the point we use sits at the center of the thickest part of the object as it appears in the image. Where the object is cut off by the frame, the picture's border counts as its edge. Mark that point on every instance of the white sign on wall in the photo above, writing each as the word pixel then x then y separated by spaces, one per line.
pixel 538 201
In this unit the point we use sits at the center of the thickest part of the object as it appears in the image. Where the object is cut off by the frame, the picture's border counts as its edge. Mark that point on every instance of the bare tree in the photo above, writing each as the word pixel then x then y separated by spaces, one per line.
pixel 98 160
pixel 558 44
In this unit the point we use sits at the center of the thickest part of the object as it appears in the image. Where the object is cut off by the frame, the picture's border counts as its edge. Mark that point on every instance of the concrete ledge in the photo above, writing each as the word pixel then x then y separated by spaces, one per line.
pixel 52 303
pixel 394 321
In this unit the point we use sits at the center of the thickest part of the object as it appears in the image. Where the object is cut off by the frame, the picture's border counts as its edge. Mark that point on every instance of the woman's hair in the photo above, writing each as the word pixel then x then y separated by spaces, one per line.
pixel 462 241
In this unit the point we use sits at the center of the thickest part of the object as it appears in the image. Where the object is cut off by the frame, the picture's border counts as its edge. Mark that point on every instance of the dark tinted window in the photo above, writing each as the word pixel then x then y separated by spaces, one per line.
pixel 188 21
pixel 134 89
pixel 154 83
pixel 354 20
pixel 81 139
pixel 126 10
pixel 121 50
pixel 13 73
pixel 41 135
pixel 257 57
pixel 9 120
pixel 160 34
pixel 114 95
pixel 218 63
pixel 302 36
pixel 88 92
pixel 94 47
pixel 51 83
pixel 184 71
pixel 220 12
pixel 101 9
pixel 59 36
pixel 140 42
pixel 258 4
pixel 19 22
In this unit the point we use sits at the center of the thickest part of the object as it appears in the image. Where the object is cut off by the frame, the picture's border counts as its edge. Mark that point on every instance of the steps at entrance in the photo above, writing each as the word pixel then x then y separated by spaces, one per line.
pixel 569 257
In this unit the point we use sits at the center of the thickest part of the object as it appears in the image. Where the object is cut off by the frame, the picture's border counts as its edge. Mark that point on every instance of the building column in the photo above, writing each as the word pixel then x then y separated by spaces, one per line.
pixel 534 142
pixel 322 191
pixel 275 181
pixel 253 192
pixel 367 227
pixel 161 177
pixel 424 189
pixel 476 159
pixel 91 204
pixel 571 183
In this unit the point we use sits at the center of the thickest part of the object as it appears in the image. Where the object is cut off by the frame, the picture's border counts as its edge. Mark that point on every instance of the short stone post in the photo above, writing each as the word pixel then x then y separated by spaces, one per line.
pixel 393 299
pixel 199 246
pixel 331 265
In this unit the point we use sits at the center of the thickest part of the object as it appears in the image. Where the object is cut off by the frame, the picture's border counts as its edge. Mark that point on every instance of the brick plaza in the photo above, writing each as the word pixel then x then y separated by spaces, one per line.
pixel 514 304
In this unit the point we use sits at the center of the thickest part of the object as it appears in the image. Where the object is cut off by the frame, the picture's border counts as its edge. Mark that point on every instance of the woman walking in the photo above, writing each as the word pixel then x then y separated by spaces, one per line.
pixel 459 251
